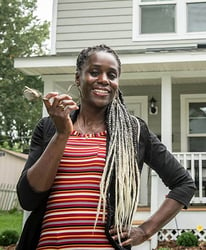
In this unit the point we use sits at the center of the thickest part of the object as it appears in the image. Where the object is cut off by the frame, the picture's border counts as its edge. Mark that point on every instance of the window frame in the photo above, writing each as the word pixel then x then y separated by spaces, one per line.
pixel 185 100
pixel 180 22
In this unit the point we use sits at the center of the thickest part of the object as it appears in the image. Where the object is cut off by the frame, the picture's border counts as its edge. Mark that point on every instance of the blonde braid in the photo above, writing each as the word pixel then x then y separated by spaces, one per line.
pixel 123 132
pixel 121 159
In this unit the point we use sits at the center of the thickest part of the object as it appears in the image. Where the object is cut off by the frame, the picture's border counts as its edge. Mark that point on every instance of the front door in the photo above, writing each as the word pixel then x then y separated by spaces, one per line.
pixel 138 106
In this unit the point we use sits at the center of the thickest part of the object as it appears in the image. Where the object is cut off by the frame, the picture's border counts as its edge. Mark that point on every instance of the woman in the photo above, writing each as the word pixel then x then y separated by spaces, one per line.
pixel 81 180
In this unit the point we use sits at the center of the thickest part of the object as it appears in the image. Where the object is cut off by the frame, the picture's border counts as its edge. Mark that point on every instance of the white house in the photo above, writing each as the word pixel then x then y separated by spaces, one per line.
pixel 162 47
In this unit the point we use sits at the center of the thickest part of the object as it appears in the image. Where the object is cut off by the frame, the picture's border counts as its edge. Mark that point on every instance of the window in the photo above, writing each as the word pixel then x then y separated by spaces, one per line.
pixel 197 126
pixel 157 18
pixel 196 13
pixel 180 19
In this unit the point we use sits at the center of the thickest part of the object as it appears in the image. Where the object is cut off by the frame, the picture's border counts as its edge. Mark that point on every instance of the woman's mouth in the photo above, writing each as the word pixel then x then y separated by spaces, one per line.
pixel 101 92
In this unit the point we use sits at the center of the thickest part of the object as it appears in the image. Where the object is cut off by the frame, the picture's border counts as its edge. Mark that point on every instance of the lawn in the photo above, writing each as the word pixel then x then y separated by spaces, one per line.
pixel 11 220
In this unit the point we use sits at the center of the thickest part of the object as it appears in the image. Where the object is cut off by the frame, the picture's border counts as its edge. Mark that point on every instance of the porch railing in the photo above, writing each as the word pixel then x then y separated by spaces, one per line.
pixel 195 163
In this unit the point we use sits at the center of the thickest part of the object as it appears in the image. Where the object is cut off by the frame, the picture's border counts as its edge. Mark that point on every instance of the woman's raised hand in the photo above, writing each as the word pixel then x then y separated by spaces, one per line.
pixel 59 108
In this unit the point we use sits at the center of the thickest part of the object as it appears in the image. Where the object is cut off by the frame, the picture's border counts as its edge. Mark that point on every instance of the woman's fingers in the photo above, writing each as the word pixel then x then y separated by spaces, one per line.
pixel 59 108
pixel 135 237
pixel 47 99
pixel 62 102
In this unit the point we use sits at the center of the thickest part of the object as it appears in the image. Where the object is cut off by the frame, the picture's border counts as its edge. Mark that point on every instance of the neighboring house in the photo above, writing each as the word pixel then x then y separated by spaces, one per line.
pixel 162 47
pixel 11 166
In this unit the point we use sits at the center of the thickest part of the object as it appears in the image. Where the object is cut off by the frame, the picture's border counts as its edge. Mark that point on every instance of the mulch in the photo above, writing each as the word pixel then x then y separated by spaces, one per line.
pixel 166 244
pixel 11 247
pixel 173 246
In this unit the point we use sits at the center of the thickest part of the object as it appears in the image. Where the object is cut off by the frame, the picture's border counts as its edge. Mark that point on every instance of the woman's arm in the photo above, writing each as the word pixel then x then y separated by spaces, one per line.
pixel 161 217
pixel 173 175
pixel 41 167
pixel 41 175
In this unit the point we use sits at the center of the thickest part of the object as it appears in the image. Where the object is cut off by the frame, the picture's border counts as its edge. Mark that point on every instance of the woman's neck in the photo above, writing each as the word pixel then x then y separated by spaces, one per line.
pixel 90 122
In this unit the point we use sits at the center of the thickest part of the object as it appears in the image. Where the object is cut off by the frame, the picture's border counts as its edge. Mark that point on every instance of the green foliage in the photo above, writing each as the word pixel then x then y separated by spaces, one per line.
pixel 187 239
pixel 8 237
pixel 21 35
pixel 11 220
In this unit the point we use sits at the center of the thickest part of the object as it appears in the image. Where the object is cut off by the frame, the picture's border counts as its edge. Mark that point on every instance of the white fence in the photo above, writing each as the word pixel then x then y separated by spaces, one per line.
pixel 8 197
pixel 195 163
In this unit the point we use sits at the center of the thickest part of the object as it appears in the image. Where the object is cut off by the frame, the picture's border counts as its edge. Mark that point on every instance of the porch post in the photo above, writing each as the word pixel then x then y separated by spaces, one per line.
pixel 48 87
pixel 159 191
pixel 166 126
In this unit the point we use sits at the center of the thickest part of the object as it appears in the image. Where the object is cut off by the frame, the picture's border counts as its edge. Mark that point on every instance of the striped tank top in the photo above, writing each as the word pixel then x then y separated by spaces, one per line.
pixel 71 211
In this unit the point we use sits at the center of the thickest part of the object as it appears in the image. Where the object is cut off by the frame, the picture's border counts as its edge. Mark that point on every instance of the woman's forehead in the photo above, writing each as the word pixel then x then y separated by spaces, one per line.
pixel 102 58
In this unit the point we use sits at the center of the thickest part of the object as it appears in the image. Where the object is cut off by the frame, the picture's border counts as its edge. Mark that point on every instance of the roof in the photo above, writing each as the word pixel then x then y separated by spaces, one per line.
pixel 16 154
pixel 182 63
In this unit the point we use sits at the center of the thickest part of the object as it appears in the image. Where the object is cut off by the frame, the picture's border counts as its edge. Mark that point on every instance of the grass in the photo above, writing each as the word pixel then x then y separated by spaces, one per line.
pixel 11 220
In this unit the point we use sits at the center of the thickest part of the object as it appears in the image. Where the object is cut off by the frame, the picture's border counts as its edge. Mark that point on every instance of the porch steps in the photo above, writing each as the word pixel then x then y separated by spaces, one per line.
pixel 197 208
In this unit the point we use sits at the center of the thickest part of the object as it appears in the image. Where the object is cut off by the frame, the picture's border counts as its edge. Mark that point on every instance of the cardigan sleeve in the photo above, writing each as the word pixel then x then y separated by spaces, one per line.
pixel 171 172
pixel 29 198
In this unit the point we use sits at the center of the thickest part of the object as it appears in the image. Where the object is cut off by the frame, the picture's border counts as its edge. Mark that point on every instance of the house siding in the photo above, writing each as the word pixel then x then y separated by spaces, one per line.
pixel 11 166
pixel 86 22
pixel 154 121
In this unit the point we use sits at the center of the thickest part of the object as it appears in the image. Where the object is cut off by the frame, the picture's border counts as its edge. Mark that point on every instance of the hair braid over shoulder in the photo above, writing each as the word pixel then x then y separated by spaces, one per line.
pixel 123 133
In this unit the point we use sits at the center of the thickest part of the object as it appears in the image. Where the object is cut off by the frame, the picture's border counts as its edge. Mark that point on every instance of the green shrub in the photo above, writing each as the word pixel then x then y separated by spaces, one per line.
pixel 8 237
pixel 187 239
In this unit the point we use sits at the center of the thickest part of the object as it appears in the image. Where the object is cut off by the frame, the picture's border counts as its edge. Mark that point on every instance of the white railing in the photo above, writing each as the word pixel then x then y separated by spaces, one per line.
pixel 195 163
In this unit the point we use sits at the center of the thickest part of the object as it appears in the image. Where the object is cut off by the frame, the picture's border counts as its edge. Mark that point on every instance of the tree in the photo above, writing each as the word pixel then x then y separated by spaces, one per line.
pixel 21 35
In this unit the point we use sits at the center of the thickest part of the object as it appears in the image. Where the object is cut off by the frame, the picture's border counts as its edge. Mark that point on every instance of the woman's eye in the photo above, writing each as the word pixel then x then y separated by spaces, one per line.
pixel 112 76
pixel 94 73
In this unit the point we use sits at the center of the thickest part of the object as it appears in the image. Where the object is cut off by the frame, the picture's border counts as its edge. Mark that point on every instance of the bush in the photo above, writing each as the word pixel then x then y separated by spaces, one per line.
pixel 8 237
pixel 187 239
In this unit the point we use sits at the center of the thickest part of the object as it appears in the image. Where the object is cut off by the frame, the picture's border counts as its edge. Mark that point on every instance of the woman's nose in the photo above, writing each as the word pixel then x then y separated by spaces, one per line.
pixel 103 78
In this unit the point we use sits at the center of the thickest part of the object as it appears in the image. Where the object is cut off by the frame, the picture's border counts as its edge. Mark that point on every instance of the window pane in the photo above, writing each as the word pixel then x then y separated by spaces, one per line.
pixel 157 19
pixel 196 13
pixel 197 118
pixel 197 144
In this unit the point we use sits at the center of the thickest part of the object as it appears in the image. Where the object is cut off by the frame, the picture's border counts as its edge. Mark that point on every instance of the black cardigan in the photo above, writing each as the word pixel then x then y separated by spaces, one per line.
pixel 150 150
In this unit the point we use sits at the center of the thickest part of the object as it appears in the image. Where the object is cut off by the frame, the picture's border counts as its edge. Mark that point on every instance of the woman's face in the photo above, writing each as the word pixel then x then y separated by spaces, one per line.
pixel 99 79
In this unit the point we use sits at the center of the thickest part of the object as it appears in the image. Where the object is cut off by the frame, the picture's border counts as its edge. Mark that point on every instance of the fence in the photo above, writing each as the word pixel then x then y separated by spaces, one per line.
pixel 8 197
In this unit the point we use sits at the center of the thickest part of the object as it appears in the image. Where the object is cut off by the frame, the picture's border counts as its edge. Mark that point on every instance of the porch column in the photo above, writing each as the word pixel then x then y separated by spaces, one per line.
pixel 166 127
pixel 159 191
pixel 166 111
pixel 48 87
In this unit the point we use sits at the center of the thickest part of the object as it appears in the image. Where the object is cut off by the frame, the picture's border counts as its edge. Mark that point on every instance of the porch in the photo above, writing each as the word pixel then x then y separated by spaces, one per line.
pixel 195 163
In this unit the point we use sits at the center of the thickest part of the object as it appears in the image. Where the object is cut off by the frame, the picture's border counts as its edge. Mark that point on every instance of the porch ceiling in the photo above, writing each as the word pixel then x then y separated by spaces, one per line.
pixel 139 68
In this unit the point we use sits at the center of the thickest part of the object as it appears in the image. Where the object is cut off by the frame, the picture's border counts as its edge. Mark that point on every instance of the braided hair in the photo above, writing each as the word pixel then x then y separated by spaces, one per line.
pixel 121 161
pixel 87 52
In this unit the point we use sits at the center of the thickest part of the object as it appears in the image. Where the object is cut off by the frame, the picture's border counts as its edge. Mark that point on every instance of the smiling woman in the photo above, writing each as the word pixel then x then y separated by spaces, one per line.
pixel 81 180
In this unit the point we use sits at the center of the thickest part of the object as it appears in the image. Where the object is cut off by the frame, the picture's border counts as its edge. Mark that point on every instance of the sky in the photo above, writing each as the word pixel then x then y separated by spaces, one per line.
pixel 44 12
pixel 44 9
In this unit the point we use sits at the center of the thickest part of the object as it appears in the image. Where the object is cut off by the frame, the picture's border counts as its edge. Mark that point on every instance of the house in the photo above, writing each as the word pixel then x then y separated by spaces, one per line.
pixel 162 47
pixel 11 166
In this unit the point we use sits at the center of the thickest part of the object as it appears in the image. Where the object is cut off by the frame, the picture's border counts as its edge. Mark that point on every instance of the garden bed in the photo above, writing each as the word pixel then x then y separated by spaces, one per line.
pixel 11 247
pixel 171 245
